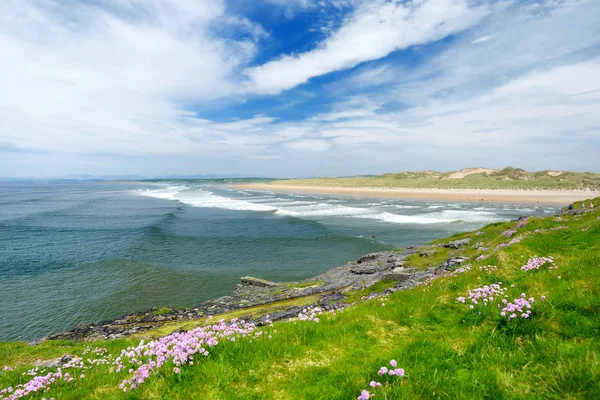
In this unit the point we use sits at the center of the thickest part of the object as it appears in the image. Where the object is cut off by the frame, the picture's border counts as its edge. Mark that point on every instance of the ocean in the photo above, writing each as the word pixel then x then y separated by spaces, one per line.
pixel 81 252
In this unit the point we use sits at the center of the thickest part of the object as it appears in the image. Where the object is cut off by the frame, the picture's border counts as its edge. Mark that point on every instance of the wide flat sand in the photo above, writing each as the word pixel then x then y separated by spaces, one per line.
pixel 559 197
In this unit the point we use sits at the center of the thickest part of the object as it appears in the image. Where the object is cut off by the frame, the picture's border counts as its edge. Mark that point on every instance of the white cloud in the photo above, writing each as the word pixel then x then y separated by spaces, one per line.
pixel 291 7
pixel 483 39
pixel 375 30
pixel 308 144
pixel 113 77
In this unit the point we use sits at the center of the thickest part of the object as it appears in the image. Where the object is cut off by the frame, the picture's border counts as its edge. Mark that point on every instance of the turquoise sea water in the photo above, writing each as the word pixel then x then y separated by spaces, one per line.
pixel 84 252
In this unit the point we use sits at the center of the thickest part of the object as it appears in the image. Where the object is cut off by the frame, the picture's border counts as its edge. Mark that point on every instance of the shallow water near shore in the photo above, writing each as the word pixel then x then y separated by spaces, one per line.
pixel 84 252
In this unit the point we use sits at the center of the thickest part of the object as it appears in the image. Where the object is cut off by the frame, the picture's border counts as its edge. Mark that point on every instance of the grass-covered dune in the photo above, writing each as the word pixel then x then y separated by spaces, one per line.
pixel 443 347
pixel 470 178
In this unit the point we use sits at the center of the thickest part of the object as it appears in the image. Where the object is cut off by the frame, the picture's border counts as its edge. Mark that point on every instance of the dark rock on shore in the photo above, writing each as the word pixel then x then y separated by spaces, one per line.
pixel 252 281
pixel 251 292
pixel 455 244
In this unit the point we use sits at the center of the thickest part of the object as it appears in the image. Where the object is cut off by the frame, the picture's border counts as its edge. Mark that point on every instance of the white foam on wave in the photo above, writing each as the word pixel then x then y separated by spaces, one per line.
pixel 466 215
pixel 206 199
pixel 167 193
pixel 198 197
pixel 328 210
pixel 283 203
pixel 407 219
pixel 323 210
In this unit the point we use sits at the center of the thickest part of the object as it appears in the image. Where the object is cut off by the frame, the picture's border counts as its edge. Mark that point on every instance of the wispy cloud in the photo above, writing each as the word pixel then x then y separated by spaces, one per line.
pixel 373 31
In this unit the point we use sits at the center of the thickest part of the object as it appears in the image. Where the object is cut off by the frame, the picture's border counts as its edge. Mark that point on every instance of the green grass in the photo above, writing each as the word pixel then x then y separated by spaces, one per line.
pixel 378 287
pixel 448 351
pixel 417 261
pixel 507 178
pixel 162 311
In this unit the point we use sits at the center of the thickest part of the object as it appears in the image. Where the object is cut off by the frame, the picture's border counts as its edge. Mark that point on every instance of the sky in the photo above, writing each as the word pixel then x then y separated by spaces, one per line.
pixel 293 88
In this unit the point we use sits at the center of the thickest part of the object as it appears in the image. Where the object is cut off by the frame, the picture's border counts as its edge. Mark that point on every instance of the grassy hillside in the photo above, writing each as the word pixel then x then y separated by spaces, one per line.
pixel 445 348
pixel 472 178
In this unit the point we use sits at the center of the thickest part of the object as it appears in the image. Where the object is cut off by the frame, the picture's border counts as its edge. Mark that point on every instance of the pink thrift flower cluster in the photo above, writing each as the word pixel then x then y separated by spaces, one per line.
pixel 509 233
pixel 501 246
pixel 488 269
pixel 310 314
pixel 99 351
pixel 520 307
pixel 482 257
pixel 558 228
pixel 485 294
pixel 461 269
pixel 42 381
pixel 37 384
pixel 536 262
pixel 393 371
pixel 515 240
pixel 431 278
pixel 522 223
pixel 178 347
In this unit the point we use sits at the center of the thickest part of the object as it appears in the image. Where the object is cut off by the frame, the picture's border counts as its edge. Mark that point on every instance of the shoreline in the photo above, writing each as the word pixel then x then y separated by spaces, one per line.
pixel 554 197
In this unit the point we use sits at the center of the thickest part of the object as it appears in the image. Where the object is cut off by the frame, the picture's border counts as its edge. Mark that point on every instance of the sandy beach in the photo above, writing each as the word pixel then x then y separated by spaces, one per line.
pixel 558 197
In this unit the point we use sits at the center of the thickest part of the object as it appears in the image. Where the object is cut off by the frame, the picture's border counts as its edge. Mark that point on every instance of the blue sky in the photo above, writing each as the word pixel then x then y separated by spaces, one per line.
pixel 297 87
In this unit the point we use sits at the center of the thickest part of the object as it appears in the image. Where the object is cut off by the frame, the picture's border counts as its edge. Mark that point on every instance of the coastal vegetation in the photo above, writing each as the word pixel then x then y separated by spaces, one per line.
pixel 520 319
pixel 470 178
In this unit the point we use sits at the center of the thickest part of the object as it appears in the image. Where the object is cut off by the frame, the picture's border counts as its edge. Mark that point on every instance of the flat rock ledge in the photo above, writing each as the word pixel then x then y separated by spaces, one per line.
pixel 331 288
pixel 252 281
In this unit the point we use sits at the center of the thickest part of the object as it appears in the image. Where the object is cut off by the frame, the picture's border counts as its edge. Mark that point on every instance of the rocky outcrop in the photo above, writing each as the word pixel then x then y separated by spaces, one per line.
pixel 330 286
pixel 452 263
pixel 251 281
pixel 361 269
pixel 455 244
pixel 56 363
pixel 427 253
pixel 400 274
